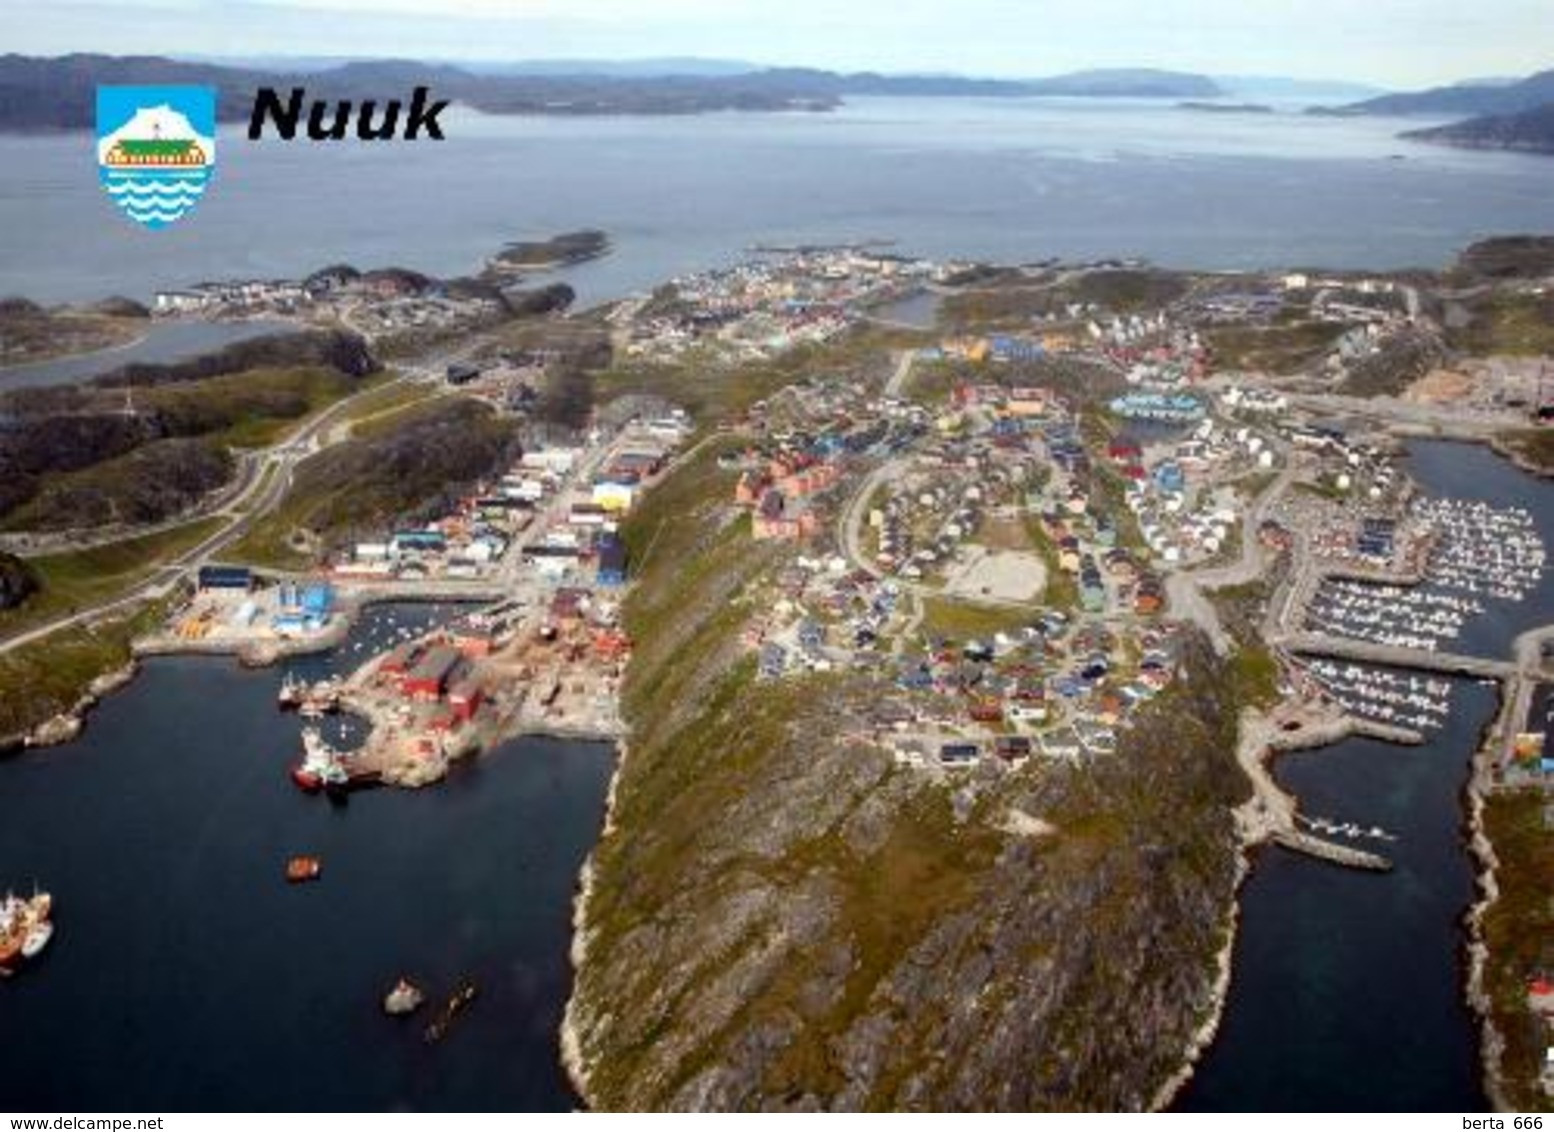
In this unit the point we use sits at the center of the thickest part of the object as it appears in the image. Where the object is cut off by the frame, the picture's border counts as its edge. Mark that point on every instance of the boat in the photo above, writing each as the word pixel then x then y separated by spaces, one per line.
pixel 318 761
pixel 289 698
pixel 324 768
pixel 25 929
pixel 37 939
pixel 461 998
pixel 404 998
pixel 303 868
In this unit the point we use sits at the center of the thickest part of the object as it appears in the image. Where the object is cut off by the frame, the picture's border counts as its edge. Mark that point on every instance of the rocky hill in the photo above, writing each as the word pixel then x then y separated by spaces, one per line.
pixel 781 918
pixel 1460 99
pixel 17 581
pixel 1529 131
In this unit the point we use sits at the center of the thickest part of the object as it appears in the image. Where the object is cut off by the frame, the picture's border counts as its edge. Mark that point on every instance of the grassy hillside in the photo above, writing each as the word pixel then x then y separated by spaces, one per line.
pixel 78 579
pixel 1515 929
pixel 783 918
pixel 1507 323
pixel 78 460
pixel 1535 446
pixel 42 680
pixel 408 466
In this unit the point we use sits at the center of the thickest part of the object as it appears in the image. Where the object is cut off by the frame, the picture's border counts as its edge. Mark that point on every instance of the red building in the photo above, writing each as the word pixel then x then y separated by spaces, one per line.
pixel 429 677
pixel 400 661
pixel 465 698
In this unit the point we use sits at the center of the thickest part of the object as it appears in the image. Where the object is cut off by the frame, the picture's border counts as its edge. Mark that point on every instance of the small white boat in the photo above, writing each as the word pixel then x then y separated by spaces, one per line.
pixel 37 939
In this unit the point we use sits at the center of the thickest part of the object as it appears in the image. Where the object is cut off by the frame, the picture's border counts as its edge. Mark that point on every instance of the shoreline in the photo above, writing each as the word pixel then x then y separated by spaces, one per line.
pixel 1487 890
pixel 77 355
pixel 573 1061
pixel 1258 822
pixel 1505 451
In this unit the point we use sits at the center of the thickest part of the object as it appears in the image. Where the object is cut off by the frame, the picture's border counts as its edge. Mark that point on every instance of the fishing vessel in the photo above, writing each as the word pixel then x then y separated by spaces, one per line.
pixel 301 869
pixel 289 698
pixel 324 768
pixel 457 1002
pixel 25 929
pixel 318 762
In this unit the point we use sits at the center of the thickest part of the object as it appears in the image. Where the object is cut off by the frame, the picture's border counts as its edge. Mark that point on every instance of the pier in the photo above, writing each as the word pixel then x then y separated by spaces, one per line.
pixel 1272 814
pixel 1331 851
pixel 1396 656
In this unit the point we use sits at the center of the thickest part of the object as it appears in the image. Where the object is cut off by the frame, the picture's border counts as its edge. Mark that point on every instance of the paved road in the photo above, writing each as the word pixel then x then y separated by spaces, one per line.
pixel 1395 656
pixel 1447 420
pixel 259 495
pixel 1185 589
pixel 903 370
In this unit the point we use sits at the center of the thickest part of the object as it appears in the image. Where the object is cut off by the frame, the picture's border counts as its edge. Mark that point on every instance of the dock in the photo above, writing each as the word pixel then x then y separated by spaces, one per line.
pixel 1395 656
pixel 1331 851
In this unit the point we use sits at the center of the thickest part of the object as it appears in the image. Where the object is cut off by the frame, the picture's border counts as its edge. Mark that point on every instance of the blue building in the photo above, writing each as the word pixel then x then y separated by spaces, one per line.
pixel 434 541
pixel 318 600
pixel 611 569
pixel 226 578
pixel 1169 476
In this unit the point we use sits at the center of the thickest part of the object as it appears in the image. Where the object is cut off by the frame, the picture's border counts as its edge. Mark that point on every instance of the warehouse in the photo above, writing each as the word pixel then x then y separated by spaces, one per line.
pixel 429 677
pixel 226 578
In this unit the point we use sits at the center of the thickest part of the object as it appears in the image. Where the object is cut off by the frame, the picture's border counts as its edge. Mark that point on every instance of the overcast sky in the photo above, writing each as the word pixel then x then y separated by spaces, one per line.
pixel 1395 43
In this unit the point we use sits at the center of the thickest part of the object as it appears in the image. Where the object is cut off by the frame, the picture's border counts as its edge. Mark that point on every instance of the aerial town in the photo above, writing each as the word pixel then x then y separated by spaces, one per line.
pixel 1010 557
pixel 1004 526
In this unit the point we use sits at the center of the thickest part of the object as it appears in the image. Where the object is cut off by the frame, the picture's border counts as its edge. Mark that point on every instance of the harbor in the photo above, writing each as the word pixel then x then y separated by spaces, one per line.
pixel 1309 1000
pixel 177 909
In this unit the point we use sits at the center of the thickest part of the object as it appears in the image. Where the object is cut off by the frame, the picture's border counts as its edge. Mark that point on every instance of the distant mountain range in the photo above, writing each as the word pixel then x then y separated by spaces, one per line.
pixel 1255 88
pixel 1504 114
pixel 1494 97
pixel 662 67
pixel 1530 131
pixel 58 93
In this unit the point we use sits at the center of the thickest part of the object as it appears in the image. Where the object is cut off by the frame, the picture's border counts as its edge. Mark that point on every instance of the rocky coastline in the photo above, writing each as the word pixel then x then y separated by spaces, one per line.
pixel 69 724
pixel 572 1058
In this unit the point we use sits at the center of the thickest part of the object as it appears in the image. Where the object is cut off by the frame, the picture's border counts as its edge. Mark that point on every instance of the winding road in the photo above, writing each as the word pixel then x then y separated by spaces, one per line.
pixel 268 476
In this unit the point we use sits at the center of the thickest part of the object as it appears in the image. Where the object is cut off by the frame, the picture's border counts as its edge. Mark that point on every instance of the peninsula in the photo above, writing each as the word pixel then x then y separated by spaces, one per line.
pixel 945 660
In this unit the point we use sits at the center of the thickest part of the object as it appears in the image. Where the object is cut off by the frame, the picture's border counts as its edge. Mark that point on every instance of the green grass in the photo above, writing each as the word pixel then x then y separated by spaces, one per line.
pixel 1534 445
pixel 961 620
pixel 1517 928
pixel 389 419
pixel 1279 348
pixel 45 678
pixel 1520 325
pixel 387 398
pixel 79 579
pixel 252 409
pixel 1253 676
pixel 1062 591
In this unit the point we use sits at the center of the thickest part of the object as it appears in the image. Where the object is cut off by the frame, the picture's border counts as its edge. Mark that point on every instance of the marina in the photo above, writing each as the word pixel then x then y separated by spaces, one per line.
pixel 1401 699
pixel 1482 549
pixel 1310 999
pixel 1480 556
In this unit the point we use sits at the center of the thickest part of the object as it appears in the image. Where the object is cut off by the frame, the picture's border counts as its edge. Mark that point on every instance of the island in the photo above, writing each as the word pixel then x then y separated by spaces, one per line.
pixel 1528 131
pixel 1226 107
pixel 544 255
pixel 30 332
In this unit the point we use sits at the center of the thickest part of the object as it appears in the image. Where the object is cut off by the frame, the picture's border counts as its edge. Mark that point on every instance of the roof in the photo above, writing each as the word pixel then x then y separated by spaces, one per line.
pixel 436 664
